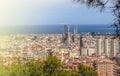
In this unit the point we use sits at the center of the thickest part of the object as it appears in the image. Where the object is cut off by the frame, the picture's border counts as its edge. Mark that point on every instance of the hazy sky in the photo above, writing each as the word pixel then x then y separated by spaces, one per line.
pixel 38 12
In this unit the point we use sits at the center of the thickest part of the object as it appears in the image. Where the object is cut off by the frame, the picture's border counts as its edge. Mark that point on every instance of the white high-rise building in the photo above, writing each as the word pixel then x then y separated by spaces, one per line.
pixel 107 45
pixel 114 46
pixel 84 51
pixel 100 45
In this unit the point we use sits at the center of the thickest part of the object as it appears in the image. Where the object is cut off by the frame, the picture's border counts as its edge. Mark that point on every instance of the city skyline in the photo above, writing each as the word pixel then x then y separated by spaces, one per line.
pixel 42 12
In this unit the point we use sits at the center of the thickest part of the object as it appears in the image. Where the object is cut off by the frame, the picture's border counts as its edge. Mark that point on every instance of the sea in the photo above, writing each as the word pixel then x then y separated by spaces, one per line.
pixel 56 29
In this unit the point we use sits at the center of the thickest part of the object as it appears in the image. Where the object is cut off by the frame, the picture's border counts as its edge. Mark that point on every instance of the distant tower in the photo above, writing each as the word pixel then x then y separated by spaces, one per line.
pixel 68 28
pixel 67 35
pixel 75 30
pixel 65 29
pixel 81 41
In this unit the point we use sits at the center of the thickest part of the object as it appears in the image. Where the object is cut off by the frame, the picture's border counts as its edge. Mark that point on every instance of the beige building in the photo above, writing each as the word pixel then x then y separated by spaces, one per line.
pixel 106 67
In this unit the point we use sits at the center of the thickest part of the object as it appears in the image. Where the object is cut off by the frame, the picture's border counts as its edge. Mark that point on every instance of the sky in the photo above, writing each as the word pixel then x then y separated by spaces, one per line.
pixel 45 12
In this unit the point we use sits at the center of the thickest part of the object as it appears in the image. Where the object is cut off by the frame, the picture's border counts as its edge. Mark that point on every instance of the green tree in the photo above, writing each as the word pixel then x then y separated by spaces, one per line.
pixel 35 68
pixel 87 70
pixel 4 71
pixel 18 70
pixel 69 73
pixel 51 66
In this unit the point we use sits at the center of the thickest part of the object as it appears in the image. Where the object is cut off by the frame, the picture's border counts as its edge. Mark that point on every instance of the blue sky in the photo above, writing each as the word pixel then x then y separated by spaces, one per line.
pixel 42 12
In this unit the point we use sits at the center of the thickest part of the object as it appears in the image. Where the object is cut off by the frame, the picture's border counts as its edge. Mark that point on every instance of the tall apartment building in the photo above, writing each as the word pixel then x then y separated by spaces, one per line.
pixel 114 46
pixel 106 67
pixel 101 45
pixel 107 45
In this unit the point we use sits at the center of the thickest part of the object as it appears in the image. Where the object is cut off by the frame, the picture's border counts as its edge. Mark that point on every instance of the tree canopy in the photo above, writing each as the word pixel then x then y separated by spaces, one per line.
pixel 113 5
pixel 49 67
pixel 87 70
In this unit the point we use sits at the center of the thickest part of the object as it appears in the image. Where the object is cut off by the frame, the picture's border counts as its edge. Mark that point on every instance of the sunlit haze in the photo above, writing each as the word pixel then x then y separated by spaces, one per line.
pixel 59 38
pixel 39 12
